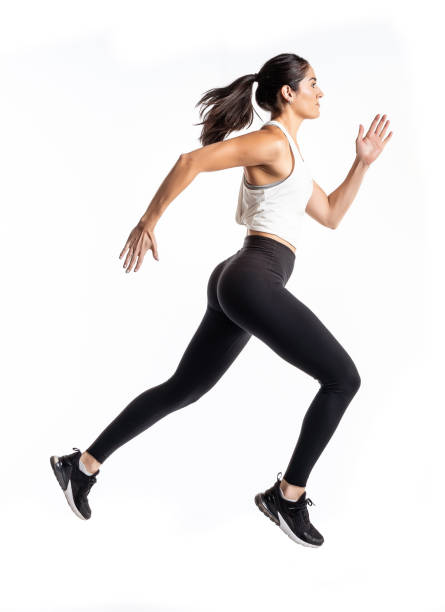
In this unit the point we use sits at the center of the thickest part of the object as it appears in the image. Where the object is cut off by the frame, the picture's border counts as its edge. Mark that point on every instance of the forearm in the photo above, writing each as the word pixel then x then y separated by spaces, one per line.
pixel 181 175
pixel 341 199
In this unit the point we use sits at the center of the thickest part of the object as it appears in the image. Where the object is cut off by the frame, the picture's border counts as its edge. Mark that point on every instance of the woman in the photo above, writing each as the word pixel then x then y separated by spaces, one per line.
pixel 246 292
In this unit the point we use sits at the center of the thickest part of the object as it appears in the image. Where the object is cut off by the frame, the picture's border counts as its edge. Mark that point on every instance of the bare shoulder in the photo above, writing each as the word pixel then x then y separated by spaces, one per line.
pixel 258 147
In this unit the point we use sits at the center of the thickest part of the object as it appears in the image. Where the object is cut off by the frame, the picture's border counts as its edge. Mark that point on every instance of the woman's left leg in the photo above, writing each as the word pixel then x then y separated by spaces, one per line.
pixel 214 346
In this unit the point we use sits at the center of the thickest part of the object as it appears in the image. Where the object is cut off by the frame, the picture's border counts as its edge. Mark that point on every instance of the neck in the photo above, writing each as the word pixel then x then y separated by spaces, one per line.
pixel 290 122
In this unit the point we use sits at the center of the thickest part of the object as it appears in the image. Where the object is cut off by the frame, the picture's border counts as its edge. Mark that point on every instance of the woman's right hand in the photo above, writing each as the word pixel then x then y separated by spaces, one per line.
pixel 141 239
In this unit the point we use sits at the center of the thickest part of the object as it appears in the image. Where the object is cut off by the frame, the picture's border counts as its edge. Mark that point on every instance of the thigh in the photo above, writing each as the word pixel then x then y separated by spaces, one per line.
pixel 214 346
pixel 283 322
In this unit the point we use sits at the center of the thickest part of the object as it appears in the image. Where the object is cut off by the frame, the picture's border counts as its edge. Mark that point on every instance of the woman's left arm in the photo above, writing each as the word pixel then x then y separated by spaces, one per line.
pixel 368 148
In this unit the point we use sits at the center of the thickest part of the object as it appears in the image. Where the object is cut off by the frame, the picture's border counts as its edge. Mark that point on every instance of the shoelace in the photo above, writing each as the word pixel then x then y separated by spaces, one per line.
pixel 302 510
pixel 301 505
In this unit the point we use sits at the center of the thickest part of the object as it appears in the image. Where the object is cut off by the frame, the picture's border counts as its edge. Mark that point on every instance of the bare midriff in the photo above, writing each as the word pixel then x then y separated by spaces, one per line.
pixel 251 232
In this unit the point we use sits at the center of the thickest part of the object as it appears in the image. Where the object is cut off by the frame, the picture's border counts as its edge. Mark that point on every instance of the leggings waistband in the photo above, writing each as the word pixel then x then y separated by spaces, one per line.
pixel 255 238
pixel 282 257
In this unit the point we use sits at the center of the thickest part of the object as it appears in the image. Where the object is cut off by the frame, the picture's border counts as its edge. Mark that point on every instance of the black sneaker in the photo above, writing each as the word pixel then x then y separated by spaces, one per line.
pixel 75 484
pixel 292 517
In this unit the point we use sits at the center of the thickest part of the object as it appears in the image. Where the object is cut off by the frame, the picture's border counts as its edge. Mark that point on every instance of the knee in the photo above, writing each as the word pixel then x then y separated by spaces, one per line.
pixel 351 380
pixel 345 381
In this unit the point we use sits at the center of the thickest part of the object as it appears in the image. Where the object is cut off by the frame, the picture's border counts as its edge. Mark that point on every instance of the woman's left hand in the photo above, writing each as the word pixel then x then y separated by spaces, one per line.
pixel 368 148
pixel 141 239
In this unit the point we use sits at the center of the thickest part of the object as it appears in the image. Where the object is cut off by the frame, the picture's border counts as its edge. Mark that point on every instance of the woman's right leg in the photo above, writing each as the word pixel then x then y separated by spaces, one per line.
pixel 252 293
pixel 213 348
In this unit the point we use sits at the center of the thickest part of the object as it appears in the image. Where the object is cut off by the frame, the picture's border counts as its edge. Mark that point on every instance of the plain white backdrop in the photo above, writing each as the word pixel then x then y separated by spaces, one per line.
pixel 98 100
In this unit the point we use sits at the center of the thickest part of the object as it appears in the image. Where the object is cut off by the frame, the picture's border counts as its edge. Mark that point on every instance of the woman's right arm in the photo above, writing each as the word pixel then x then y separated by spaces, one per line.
pixel 247 150
pixel 255 148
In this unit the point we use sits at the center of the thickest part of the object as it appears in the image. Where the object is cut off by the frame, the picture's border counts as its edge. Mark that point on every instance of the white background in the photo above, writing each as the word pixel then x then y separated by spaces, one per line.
pixel 98 100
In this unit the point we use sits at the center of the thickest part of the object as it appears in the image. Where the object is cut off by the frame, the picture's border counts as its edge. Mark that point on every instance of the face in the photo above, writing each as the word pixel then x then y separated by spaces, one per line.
pixel 306 103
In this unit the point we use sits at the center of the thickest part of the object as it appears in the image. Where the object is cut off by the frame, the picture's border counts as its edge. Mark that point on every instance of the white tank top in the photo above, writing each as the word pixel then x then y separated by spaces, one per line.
pixel 277 208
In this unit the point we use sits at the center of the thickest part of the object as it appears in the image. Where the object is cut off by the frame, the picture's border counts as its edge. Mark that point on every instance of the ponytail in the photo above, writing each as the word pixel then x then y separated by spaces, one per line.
pixel 231 106
pixel 232 109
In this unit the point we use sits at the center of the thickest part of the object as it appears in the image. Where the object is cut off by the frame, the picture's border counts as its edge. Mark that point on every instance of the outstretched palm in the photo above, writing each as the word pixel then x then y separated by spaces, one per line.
pixel 370 146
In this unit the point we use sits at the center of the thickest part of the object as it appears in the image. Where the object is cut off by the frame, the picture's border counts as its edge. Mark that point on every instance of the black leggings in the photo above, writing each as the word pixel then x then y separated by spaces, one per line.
pixel 246 295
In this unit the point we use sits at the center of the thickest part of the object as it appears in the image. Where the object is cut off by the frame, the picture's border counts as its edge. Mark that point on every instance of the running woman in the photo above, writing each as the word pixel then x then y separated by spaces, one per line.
pixel 246 292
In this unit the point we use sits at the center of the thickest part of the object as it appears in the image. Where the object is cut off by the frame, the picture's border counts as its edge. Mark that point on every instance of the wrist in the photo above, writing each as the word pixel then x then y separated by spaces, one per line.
pixel 148 221
pixel 360 164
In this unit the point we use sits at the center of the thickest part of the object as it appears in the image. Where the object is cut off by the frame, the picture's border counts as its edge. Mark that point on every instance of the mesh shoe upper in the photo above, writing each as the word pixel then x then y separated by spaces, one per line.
pixel 294 513
pixel 80 482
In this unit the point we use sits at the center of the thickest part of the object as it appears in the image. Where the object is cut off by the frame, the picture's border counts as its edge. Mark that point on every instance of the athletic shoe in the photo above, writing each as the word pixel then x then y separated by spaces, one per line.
pixel 291 516
pixel 75 484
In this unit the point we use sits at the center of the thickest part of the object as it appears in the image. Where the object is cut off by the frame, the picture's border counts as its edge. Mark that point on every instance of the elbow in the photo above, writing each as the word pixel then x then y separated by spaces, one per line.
pixel 331 222
pixel 184 158
pixel 188 160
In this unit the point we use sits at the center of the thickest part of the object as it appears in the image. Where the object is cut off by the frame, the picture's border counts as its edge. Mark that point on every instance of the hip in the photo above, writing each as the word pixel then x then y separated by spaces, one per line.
pixel 260 259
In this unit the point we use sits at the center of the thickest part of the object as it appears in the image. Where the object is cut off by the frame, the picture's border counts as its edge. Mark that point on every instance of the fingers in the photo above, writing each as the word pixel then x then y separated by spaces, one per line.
pixel 140 260
pixel 387 138
pixel 379 128
pixel 155 247
pixel 383 129
pixel 130 254
pixel 143 246
pixel 136 252
pixel 138 244
pixel 379 125
pixel 125 247
pixel 382 132
pixel 376 125
pixel 128 245
pixel 132 260
pixel 373 124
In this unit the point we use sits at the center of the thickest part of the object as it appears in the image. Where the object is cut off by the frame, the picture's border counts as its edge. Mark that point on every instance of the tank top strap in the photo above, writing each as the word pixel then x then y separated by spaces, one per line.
pixel 288 136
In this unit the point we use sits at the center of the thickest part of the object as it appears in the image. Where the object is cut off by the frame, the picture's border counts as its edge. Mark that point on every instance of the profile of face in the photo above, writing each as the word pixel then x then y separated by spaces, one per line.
pixel 306 102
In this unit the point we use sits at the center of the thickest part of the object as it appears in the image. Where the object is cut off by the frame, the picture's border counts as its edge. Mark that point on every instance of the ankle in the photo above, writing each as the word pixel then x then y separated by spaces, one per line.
pixel 291 491
pixel 91 464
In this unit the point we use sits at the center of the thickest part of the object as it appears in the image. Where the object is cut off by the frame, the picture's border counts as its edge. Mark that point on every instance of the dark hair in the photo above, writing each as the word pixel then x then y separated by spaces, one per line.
pixel 232 107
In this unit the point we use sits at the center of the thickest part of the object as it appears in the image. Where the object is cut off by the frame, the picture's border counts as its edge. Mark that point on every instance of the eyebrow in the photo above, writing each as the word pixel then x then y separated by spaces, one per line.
pixel 312 78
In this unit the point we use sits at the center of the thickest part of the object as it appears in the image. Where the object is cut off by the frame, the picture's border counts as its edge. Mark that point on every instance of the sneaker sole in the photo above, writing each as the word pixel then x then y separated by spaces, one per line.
pixel 66 487
pixel 259 501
